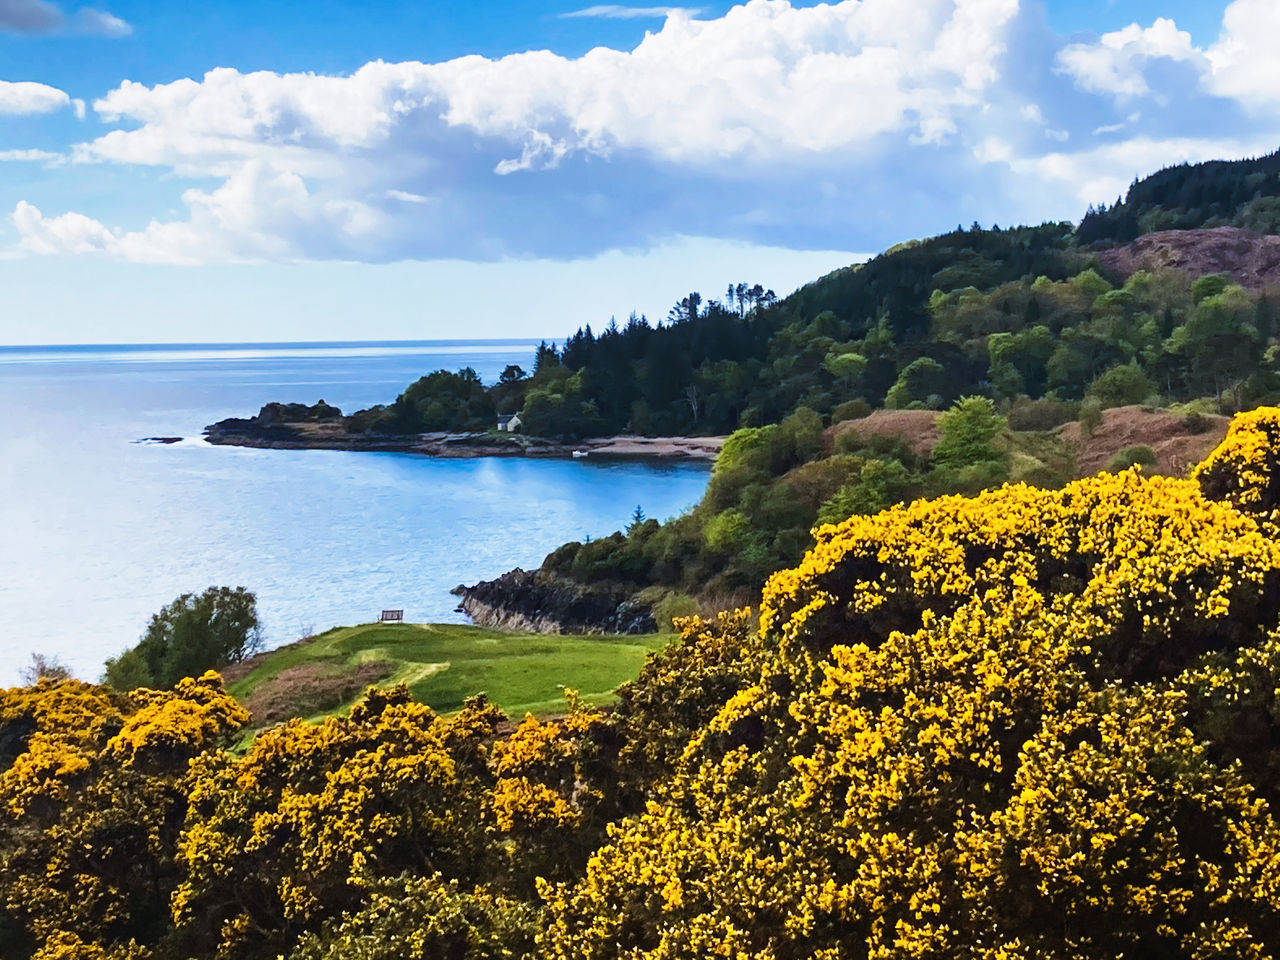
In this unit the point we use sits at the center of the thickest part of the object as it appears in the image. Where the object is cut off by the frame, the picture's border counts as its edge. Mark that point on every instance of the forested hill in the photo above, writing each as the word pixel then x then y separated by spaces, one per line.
pixel 1220 193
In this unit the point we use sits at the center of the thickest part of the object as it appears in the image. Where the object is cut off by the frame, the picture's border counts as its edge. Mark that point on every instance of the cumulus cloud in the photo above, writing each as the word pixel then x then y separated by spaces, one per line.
pixel 1243 63
pixel 834 126
pixel 1116 64
pixel 25 97
pixel 323 166
pixel 610 11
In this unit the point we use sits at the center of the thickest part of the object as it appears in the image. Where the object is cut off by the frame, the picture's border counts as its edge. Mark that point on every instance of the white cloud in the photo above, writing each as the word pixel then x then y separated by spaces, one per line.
pixel 28 156
pixel 69 233
pixel 610 11
pixel 404 196
pixel 1116 64
pixel 1105 172
pixel 320 166
pixel 832 125
pixel 24 97
pixel 88 20
pixel 1243 63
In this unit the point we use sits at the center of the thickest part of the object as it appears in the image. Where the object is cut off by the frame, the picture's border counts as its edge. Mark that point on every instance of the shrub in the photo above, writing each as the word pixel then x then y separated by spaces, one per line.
pixel 1090 416
pixel 1196 423
pixel 1042 414
pixel 426 918
pixel 1132 457
pixel 1121 386
pixel 850 410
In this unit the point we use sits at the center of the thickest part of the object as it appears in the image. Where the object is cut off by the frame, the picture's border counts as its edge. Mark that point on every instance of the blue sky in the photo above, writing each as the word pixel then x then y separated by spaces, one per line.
pixel 344 170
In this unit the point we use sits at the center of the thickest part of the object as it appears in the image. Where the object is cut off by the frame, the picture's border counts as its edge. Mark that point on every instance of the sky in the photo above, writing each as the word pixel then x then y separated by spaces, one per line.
pixel 371 170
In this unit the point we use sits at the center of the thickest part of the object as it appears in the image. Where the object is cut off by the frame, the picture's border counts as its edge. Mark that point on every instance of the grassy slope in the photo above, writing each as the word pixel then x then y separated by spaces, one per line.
pixel 443 664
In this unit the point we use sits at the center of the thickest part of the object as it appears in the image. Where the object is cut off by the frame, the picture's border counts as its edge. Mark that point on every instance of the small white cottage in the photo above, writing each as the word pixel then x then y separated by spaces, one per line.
pixel 509 422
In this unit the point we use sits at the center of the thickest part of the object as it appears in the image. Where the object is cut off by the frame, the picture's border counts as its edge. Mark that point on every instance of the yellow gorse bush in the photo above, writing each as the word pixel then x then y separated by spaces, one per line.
pixel 93 799
pixel 1006 726
pixel 1245 468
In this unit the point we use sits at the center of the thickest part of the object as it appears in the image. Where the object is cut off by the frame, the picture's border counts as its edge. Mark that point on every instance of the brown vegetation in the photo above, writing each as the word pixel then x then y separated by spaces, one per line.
pixel 311 688
pixel 1252 261
pixel 1177 441
pixel 918 429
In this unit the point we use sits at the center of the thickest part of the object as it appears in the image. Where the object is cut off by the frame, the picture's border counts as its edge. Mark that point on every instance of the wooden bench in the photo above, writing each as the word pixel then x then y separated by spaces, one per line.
pixel 392 616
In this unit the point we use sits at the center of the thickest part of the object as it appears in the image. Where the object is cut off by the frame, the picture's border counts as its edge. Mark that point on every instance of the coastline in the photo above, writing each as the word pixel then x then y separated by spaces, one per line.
pixel 331 436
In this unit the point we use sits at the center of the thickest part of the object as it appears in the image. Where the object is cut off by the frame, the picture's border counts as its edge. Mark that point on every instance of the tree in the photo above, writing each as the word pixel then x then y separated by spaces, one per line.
pixel 189 636
pixel 920 379
pixel 967 431
pixel 511 373
pixel 1121 386
pixel 43 667
pixel 637 520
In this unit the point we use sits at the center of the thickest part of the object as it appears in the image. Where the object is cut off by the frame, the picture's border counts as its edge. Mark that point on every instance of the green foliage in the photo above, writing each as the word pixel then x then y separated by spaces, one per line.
pixel 880 484
pixel 1043 414
pixel 1090 416
pixel 426 918
pixel 727 532
pixel 440 401
pixel 1132 456
pixel 189 636
pixel 1121 386
pixel 850 410
pixel 922 378
pixel 968 430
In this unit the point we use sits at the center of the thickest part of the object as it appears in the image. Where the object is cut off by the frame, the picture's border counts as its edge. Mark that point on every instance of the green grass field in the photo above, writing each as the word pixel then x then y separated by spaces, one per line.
pixel 443 664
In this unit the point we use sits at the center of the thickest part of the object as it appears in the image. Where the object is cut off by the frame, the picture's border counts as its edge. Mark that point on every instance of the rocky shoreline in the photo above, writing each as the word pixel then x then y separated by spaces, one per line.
pixel 270 433
pixel 537 602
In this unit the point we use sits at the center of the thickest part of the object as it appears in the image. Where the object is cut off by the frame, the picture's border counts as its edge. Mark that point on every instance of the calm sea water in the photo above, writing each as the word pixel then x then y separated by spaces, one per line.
pixel 98 531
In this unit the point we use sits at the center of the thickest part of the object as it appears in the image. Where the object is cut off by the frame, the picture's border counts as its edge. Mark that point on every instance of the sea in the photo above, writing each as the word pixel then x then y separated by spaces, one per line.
pixel 100 528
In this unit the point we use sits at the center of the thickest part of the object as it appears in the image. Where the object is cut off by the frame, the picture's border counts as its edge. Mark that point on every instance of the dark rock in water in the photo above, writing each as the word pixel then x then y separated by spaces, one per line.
pixel 159 440
pixel 250 432
pixel 539 602
pixel 275 424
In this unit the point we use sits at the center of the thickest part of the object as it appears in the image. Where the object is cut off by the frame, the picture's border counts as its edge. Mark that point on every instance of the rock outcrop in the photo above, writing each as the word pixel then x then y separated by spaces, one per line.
pixel 536 601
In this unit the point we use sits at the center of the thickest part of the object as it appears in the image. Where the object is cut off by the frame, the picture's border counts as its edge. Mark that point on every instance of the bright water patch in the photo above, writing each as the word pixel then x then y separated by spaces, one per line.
pixel 97 531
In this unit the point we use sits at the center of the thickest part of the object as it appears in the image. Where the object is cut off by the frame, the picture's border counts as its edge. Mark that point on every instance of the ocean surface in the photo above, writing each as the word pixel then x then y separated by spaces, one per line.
pixel 98 531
